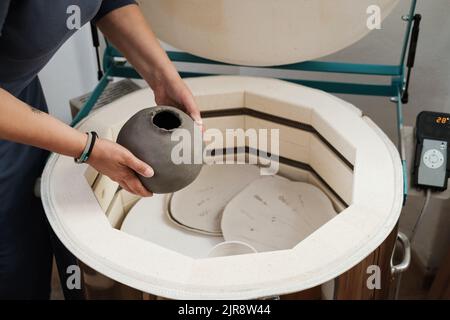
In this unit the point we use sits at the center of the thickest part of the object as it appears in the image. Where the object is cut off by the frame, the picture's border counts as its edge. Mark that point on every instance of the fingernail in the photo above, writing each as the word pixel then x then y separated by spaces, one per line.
pixel 200 124
pixel 148 173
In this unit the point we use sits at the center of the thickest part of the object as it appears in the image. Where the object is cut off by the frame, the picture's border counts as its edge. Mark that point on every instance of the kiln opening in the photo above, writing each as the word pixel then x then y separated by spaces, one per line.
pixel 231 202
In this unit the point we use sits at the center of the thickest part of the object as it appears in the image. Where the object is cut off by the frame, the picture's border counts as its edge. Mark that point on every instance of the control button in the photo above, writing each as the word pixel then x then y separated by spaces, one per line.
pixel 433 159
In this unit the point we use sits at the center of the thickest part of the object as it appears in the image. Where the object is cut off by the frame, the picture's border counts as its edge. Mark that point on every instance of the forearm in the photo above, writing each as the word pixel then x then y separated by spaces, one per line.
pixel 128 30
pixel 24 124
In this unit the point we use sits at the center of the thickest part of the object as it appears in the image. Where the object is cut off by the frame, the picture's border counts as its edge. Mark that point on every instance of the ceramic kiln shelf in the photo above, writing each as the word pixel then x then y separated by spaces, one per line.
pixel 201 204
pixel 323 140
pixel 232 203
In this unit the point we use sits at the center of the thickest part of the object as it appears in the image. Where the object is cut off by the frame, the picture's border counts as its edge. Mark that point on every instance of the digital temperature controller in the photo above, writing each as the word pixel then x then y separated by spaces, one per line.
pixel 431 165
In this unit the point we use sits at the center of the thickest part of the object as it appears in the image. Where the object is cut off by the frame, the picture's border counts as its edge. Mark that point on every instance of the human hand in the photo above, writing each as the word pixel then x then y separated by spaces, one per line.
pixel 119 164
pixel 130 33
pixel 169 89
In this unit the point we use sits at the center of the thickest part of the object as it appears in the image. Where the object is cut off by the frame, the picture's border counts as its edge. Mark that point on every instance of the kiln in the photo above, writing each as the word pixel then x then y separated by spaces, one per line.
pixel 324 141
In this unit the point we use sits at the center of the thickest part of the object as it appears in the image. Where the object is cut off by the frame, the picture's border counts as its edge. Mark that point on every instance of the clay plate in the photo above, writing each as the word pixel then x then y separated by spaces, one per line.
pixel 274 213
pixel 199 207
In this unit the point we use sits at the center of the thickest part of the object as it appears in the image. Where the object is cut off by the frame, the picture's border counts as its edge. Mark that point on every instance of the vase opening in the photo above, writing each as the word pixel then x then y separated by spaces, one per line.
pixel 167 120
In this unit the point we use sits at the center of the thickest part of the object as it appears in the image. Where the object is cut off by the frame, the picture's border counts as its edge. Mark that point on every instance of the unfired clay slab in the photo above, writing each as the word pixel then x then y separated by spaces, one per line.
pixel 147 221
pixel 273 213
pixel 200 205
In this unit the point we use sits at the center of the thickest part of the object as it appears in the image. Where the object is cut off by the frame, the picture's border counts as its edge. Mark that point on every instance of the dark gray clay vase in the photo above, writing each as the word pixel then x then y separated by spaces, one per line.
pixel 148 134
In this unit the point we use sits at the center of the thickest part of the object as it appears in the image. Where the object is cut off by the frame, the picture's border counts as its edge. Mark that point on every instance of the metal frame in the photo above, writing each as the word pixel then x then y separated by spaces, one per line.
pixel 114 65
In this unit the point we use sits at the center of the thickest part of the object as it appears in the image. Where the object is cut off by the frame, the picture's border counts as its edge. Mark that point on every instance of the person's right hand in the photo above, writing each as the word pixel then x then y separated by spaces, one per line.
pixel 119 164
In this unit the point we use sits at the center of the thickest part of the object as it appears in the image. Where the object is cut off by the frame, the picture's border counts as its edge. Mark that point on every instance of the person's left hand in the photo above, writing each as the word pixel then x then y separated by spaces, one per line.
pixel 170 90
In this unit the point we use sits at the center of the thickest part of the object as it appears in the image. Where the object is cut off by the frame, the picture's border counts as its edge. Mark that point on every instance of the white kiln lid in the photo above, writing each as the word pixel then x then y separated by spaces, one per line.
pixel 261 32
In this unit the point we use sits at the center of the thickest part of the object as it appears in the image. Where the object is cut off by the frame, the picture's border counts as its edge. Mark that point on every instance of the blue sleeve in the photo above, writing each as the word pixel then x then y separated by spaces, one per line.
pixel 110 5
pixel 4 6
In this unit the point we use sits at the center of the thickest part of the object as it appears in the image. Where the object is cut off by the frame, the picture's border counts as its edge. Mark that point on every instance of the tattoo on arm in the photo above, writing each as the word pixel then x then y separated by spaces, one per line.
pixel 37 111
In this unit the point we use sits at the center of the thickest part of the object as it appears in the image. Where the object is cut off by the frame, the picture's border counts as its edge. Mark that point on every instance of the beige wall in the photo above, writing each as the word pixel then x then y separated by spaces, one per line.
pixel 71 73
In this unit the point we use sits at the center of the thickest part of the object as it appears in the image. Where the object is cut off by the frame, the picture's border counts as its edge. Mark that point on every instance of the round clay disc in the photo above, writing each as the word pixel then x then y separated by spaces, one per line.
pixel 274 213
pixel 200 205
pixel 147 220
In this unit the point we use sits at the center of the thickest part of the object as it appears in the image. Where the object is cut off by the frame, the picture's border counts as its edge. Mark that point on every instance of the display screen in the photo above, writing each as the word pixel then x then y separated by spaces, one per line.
pixel 442 120
pixel 433 125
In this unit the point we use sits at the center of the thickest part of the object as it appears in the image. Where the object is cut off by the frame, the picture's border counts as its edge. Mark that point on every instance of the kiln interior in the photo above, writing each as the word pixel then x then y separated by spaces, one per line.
pixel 304 155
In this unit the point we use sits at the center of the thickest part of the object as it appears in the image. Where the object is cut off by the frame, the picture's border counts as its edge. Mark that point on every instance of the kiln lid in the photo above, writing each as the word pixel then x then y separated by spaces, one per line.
pixel 261 32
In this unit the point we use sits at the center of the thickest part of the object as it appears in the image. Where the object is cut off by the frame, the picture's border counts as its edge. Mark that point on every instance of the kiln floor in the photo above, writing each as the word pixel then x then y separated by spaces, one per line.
pixel 267 213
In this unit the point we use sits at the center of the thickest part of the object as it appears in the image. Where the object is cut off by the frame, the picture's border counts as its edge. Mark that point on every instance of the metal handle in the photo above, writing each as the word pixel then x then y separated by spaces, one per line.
pixel 406 261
